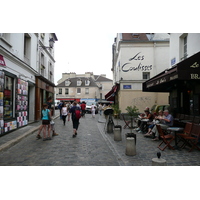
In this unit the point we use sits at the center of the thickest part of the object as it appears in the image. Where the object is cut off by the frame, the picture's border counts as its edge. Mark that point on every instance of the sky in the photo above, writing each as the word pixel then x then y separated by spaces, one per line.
pixel 82 52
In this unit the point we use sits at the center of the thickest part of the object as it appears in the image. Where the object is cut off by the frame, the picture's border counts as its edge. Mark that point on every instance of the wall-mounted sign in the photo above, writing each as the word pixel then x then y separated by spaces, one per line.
pixel 126 86
pixel 130 66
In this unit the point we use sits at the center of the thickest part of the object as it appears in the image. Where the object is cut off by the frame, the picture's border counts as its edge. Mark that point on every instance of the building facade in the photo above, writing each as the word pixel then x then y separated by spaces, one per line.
pixel 77 87
pixel 136 58
pixel 182 78
pixel 20 61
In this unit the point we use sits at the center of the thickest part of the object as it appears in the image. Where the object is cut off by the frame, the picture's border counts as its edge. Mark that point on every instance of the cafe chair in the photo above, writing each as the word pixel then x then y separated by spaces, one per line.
pixel 192 139
pixel 166 139
pixel 186 133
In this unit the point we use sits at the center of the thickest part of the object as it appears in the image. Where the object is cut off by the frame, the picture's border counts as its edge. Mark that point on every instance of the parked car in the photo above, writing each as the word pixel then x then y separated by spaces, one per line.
pixel 88 107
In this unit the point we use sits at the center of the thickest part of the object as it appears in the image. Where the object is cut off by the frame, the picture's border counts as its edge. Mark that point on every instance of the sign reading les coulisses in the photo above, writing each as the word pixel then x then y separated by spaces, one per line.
pixel 139 67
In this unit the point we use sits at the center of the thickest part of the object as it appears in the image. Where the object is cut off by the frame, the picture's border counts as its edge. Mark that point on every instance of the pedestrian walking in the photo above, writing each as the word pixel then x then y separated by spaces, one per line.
pixel 64 113
pixel 46 117
pixel 83 106
pixel 93 108
pixel 49 103
pixel 75 114
pixel 60 108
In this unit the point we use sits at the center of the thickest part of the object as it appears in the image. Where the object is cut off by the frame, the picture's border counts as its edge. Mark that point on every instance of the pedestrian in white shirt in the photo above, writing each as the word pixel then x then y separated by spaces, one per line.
pixel 93 108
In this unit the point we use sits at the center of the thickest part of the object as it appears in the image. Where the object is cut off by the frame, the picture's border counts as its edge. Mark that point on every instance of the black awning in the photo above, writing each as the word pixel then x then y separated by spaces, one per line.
pixel 186 70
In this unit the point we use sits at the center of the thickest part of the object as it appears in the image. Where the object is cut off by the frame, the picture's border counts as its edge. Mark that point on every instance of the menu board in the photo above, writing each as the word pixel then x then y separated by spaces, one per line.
pixel 1 101
pixel 22 102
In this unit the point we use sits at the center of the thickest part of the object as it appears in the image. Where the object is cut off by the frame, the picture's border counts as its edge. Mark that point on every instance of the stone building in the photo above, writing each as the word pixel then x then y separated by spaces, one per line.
pixel 74 87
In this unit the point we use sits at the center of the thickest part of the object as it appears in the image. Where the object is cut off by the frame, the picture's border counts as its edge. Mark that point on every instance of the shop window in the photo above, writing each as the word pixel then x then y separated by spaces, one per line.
pixel 8 98
pixel 146 75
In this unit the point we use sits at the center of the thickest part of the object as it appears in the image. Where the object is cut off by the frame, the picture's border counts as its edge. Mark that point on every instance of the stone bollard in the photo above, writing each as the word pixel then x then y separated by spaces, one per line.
pixel 110 127
pixel 130 146
pixel 117 133
pixel 159 162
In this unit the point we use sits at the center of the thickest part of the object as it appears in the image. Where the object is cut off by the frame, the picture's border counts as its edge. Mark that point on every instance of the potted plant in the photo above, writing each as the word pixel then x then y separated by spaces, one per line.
pixel 132 112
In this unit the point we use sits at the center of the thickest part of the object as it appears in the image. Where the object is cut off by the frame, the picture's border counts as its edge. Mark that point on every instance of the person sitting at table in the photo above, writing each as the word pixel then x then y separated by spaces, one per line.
pixel 165 122
pixel 140 118
pixel 154 122
pixel 147 118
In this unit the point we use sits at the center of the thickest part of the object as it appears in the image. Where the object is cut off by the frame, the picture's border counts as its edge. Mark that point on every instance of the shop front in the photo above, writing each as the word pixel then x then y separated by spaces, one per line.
pixel 13 102
pixel 182 81
pixel 44 89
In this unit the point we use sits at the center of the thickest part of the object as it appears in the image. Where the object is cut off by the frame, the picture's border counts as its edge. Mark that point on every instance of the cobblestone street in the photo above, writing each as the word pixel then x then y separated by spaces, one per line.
pixel 92 147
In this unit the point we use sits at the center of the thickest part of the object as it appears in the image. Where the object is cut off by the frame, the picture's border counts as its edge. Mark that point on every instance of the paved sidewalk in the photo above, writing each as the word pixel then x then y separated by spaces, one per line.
pixel 14 137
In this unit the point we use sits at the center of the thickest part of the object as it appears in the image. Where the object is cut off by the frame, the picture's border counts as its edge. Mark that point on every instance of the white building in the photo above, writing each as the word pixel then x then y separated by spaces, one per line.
pixel 24 63
pixel 136 58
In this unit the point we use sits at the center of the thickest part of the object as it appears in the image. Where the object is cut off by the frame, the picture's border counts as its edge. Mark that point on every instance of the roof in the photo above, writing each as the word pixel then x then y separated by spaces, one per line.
pixel 74 82
pixel 145 37
pixel 100 78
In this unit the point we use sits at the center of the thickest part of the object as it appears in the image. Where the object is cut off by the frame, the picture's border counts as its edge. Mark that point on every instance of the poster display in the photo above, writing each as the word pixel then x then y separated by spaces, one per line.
pixel 1 102
pixel 22 102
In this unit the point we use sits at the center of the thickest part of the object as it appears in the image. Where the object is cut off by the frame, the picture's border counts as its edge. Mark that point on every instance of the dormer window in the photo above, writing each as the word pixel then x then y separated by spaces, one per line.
pixel 79 82
pixel 87 82
pixel 135 35
pixel 67 82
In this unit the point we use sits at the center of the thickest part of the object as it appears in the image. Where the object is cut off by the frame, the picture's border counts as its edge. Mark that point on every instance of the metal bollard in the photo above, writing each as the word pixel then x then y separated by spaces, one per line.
pixel 117 133
pixel 130 146
pixel 159 161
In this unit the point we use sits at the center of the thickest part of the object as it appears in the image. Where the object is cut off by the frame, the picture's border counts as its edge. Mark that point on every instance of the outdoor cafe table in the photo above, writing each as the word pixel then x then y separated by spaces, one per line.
pixel 175 130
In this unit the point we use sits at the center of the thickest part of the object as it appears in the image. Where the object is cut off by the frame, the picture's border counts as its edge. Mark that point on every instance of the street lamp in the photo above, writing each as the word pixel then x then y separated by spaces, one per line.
pixel 51 44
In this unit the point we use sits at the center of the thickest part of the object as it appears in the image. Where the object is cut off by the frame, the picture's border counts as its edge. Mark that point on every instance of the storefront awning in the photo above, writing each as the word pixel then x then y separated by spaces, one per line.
pixel 186 70
pixel 2 62
pixel 110 96
pixel 68 99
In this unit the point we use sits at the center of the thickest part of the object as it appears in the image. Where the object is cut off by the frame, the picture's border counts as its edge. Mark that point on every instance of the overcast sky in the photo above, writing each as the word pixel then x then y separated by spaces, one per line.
pixel 82 52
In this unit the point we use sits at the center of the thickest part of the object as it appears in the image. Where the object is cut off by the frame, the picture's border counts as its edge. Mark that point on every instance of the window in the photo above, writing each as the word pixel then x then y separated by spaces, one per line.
pixel 42 68
pixel 146 75
pixel 60 90
pixel 66 90
pixel 27 48
pixel 79 82
pixel 185 47
pixel 78 90
pixel 8 98
pixel 50 72
pixel 87 82
pixel 86 90
pixel 67 82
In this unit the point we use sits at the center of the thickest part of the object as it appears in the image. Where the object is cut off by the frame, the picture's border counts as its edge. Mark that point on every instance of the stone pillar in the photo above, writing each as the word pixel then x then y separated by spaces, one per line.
pixel 130 146
pixel 117 133
pixel 159 162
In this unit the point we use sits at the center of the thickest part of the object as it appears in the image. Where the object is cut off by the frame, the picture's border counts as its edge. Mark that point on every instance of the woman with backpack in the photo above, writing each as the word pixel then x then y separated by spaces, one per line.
pixel 75 113
pixel 64 112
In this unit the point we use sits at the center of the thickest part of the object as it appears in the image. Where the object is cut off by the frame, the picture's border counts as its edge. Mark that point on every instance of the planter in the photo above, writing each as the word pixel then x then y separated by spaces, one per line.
pixel 131 135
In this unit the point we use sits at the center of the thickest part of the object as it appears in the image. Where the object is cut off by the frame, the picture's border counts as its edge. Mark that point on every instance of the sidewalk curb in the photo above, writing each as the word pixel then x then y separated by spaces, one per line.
pixel 12 142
